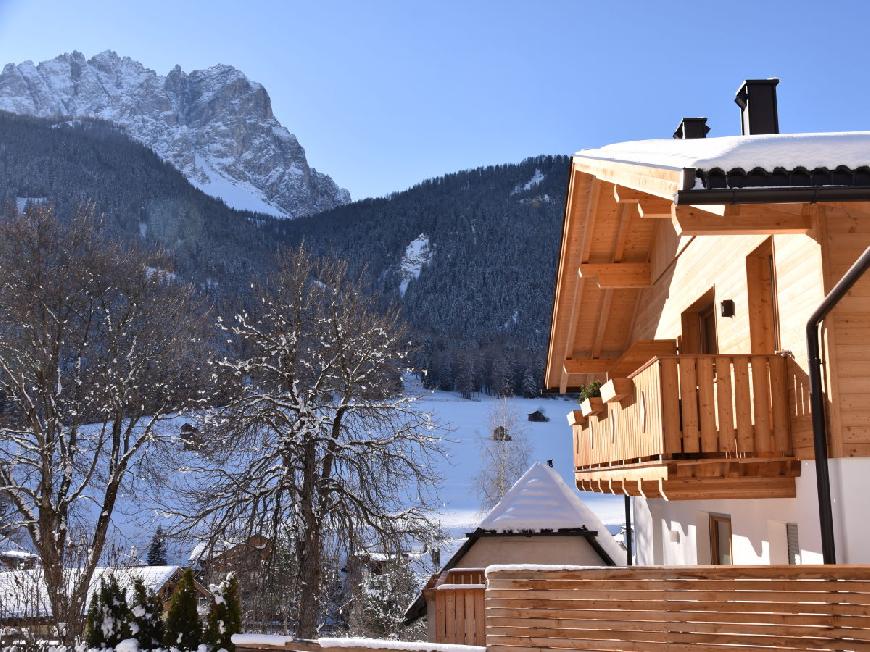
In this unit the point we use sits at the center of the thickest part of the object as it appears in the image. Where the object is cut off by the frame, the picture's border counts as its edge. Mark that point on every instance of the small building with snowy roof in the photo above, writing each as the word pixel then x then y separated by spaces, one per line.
pixel 14 557
pixel 24 595
pixel 540 520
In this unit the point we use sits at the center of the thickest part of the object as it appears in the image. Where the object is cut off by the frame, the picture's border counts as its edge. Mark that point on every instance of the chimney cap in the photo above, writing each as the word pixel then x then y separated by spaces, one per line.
pixel 692 128
pixel 758 110
pixel 743 92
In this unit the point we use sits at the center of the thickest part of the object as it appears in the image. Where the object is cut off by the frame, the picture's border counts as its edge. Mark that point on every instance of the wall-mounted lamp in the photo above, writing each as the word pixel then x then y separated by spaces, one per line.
pixel 727 308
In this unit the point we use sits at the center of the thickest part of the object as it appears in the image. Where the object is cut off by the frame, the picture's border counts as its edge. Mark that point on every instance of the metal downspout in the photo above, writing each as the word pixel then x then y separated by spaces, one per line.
pixel 817 403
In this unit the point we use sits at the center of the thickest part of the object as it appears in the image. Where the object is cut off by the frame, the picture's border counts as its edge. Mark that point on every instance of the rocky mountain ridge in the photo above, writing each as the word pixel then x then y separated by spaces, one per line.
pixel 215 125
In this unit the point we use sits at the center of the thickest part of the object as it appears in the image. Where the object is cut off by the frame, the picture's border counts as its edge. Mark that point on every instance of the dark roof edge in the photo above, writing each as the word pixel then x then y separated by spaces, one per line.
pixel 799 195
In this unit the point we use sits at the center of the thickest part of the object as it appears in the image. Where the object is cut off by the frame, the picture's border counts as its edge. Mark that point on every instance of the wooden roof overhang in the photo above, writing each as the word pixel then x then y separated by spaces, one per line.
pixel 613 214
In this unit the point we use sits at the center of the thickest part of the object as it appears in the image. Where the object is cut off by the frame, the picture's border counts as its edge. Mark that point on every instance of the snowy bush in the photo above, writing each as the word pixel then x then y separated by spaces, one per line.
pixel 225 616
pixel 183 629
pixel 109 617
pixel 147 612
pixel 381 598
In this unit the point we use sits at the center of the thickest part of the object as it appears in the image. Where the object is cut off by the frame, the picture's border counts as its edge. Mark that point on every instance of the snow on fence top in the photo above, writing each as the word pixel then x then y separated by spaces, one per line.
pixel 538 568
pixel 286 642
pixel 540 500
pixel 766 151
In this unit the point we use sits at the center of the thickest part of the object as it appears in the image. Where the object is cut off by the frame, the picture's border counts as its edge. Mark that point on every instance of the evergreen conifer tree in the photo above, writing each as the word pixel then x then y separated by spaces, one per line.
pixel 157 548
pixel 109 617
pixel 183 629
pixel 225 616
pixel 147 612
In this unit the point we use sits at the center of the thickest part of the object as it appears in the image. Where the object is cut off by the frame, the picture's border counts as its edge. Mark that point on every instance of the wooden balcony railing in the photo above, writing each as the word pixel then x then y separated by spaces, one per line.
pixel 726 412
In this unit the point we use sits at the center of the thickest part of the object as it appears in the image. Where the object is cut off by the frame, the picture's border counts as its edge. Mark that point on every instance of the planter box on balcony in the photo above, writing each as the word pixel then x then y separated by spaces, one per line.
pixel 616 389
pixel 576 418
pixel 592 405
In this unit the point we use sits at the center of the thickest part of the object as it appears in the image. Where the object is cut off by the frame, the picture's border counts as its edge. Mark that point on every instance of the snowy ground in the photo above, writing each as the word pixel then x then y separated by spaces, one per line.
pixel 466 425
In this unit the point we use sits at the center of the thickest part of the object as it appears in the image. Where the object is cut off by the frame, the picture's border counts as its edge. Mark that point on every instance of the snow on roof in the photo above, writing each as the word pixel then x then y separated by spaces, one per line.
pixel 540 500
pixel 766 151
pixel 23 593
pixel 11 550
pixel 153 577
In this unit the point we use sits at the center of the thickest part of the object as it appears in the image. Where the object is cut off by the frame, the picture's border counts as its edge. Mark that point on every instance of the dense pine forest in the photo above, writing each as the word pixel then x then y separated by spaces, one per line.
pixel 476 296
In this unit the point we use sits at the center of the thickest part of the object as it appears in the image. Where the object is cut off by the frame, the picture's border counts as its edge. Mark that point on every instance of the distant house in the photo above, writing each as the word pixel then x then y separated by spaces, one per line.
pixel 541 520
pixel 222 557
pixel 24 597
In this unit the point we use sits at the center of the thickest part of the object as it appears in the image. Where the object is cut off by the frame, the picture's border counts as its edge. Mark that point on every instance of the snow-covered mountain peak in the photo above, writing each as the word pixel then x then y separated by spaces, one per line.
pixel 215 125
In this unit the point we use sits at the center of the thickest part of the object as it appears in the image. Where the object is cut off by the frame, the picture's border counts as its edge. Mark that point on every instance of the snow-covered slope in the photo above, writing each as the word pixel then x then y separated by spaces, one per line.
pixel 468 423
pixel 417 254
pixel 215 125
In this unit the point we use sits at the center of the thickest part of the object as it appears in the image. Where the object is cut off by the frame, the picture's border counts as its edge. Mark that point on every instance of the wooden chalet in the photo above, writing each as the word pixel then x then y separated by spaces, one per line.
pixel 689 269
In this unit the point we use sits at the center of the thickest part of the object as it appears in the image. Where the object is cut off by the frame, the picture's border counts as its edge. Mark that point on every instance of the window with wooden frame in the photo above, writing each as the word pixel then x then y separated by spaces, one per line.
pixel 762 299
pixel 699 326
pixel 720 540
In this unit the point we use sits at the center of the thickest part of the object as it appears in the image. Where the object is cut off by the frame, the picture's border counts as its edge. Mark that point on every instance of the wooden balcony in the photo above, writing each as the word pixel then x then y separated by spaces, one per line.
pixel 691 426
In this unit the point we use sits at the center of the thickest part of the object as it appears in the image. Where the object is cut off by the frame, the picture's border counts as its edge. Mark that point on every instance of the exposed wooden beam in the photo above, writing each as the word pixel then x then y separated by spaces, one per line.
pixel 743 219
pixel 654 209
pixel 658 181
pixel 586 366
pixel 616 389
pixel 601 326
pixel 593 405
pixel 625 211
pixel 591 206
pixel 590 218
pixel 576 418
pixel 618 275
pixel 648 206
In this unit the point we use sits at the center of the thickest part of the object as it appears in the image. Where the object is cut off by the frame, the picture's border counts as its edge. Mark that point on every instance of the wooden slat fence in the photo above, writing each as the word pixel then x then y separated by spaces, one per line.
pixel 706 608
pixel 459 607
pixel 725 405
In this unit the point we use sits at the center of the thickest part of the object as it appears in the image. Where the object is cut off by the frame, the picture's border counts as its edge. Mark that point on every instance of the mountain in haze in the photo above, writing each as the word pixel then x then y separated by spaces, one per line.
pixel 214 125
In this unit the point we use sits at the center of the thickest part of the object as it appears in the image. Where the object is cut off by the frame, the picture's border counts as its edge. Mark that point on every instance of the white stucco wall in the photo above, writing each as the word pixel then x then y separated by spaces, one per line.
pixel 676 533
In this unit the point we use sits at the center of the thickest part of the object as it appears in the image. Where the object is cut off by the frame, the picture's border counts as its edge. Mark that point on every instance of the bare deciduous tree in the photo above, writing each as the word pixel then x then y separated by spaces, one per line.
pixel 505 453
pixel 318 440
pixel 97 347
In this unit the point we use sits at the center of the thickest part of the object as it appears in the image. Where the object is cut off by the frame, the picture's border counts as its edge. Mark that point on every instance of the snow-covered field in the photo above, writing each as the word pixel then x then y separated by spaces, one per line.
pixel 466 425
pixel 468 421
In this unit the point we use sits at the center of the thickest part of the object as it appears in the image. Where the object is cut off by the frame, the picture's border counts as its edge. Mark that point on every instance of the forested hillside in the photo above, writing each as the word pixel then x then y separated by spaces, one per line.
pixel 481 305
pixel 469 256
pixel 142 197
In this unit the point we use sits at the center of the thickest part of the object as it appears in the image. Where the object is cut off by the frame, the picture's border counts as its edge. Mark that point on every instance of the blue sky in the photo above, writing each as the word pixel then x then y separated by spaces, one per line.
pixel 385 94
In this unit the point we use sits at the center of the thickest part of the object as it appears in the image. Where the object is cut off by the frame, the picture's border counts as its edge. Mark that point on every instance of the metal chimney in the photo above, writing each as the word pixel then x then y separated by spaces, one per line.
pixel 692 128
pixel 757 101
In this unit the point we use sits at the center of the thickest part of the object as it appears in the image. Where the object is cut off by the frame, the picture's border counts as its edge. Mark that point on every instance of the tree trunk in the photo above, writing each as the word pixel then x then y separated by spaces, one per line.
pixel 310 551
